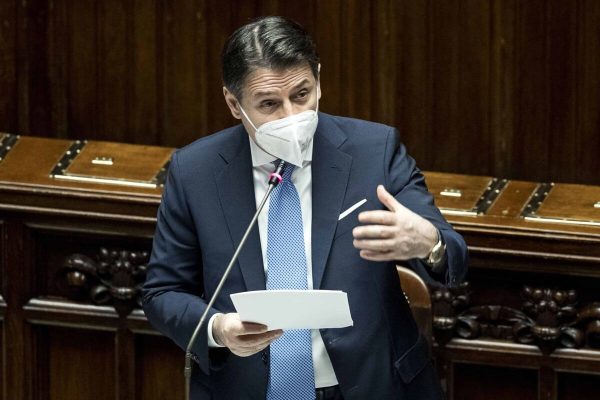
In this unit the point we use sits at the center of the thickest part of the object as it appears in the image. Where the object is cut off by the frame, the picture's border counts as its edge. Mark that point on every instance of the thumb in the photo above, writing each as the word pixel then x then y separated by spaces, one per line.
pixel 387 199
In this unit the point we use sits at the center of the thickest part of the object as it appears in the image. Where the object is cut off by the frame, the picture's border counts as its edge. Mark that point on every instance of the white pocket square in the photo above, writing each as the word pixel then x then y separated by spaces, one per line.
pixel 354 207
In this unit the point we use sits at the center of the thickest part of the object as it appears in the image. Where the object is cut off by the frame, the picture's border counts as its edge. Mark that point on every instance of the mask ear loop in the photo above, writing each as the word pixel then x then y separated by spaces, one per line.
pixel 246 115
pixel 255 131
pixel 318 86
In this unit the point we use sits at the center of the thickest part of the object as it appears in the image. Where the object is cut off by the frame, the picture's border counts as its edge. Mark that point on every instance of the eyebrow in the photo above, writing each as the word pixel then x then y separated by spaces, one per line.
pixel 262 93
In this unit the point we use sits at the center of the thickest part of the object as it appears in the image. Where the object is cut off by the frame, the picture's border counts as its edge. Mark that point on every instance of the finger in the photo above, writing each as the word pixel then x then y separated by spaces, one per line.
pixel 373 232
pixel 377 256
pixel 390 201
pixel 387 199
pixel 375 245
pixel 377 217
pixel 253 340
pixel 247 345
pixel 251 327
pixel 249 348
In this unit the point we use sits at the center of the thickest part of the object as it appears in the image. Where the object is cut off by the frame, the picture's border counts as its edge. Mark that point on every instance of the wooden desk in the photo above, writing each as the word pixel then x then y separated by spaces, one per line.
pixel 73 256
pixel 526 324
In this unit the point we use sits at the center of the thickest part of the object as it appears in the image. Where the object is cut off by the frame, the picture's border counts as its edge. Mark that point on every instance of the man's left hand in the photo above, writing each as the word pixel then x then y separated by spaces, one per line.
pixel 393 234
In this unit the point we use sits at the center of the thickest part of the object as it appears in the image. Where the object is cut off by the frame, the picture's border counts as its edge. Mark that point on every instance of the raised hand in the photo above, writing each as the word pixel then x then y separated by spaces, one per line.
pixel 393 234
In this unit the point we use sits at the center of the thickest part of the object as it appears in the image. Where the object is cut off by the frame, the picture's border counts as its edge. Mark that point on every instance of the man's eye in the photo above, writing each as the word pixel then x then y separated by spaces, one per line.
pixel 267 104
pixel 302 94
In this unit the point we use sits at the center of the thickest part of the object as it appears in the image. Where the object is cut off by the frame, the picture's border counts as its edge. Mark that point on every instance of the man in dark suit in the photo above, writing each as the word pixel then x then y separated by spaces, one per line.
pixel 361 206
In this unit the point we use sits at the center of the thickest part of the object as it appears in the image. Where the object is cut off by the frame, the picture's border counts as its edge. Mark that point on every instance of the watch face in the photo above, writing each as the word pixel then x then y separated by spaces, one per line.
pixel 432 258
pixel 437 253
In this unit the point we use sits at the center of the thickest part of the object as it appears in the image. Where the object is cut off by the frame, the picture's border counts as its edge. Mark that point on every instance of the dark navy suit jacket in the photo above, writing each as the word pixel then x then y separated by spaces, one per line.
pixel 207 204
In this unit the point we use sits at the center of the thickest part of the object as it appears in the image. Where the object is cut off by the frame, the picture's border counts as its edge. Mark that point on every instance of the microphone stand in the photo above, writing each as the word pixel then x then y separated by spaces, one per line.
pixel 274 179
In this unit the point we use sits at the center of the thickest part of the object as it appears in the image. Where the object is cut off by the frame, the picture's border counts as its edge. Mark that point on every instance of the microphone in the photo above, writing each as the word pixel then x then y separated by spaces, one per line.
pixel 274 179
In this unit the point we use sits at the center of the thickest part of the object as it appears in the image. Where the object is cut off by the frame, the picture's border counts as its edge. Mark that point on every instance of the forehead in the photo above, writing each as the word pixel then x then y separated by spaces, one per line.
pixel 264 80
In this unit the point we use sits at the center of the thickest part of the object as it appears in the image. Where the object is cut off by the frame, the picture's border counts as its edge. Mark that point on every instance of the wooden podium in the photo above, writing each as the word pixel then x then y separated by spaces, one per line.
pixel 527 323
pixel 76 224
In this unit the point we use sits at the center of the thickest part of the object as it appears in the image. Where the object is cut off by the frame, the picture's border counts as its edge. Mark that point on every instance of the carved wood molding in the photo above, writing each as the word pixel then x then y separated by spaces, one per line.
pixel 115 278
pixel 549 318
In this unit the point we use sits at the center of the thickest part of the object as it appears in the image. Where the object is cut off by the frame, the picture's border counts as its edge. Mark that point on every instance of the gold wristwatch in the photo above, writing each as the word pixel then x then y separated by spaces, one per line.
pixel 437 253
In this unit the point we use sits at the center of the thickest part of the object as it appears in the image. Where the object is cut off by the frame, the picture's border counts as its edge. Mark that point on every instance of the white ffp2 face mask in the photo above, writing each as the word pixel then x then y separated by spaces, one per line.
pixel 287 138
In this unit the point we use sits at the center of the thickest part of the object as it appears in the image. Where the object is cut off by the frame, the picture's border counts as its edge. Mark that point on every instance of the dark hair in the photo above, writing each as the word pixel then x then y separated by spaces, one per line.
pixel 268 42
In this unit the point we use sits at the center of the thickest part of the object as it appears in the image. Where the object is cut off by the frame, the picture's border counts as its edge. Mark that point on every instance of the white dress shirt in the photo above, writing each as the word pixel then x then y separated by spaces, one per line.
pixel 262 166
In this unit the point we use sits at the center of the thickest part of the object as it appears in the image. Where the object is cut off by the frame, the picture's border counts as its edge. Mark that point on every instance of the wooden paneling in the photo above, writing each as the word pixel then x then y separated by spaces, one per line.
pixel 3 262
pixel 554 76
pixel 78 370
pixel 575 387
pixel 505 88
pixel 473 382
pixel 153 379
pixel 83 62
pixel 114 66
pixel 58 71
pixel 588 85
pixel 142 116
pixel 2 346
pixel 183 95
pixel 17 270
pixel 8 65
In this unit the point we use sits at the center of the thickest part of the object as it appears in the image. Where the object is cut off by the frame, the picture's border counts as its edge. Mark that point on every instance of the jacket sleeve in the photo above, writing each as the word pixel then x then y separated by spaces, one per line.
pixel 173 292
pixel 406 182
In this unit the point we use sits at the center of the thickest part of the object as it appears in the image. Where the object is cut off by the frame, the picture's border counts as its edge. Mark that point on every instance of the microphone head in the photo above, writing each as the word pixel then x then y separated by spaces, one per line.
pixel 277 176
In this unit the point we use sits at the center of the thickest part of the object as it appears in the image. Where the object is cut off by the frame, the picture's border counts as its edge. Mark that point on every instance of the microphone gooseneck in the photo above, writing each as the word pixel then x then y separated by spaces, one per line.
pixel 274 179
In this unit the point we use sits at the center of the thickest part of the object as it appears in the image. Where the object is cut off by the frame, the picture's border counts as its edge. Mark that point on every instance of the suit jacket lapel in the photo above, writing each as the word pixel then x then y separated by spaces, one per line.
pixel 236 191
pixel 330 172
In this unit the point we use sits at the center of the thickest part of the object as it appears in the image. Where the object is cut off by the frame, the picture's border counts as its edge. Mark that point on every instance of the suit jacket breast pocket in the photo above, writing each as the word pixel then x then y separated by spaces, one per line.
pixel 350 216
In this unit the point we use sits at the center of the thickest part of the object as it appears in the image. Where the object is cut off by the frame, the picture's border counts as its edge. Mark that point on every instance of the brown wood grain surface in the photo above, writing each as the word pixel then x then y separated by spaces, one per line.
pixel 576 201
pixel 470 188
pixel 504 88
pixel 129 162
pixel 32 159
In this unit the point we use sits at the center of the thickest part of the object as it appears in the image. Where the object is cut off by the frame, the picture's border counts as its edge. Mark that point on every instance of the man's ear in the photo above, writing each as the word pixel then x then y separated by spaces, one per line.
pixel 232 103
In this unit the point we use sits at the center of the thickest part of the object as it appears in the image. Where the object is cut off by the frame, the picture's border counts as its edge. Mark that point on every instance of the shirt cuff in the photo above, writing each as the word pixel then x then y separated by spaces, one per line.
pixel 211 340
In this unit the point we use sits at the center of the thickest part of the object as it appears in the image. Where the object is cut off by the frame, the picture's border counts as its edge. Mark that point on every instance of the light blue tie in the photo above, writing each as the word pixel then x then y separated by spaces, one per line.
pixel 291 373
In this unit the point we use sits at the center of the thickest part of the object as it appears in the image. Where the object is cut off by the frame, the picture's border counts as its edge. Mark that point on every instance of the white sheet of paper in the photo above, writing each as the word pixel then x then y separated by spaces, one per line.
pixel 294 309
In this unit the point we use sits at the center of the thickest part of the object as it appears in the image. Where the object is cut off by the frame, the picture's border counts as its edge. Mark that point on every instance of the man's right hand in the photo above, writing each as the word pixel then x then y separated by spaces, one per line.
pixel 242 338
